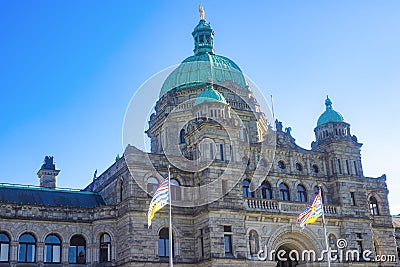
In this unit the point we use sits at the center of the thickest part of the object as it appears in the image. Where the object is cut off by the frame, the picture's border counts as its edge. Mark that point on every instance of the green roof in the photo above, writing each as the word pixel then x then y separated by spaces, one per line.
pixel 210 95
pixel 33 195
pixel 329 115
pixel 204 67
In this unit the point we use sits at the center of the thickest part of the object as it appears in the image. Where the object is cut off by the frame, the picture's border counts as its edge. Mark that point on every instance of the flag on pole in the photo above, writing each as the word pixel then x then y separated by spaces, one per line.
pixel 312 212
pixel 159 200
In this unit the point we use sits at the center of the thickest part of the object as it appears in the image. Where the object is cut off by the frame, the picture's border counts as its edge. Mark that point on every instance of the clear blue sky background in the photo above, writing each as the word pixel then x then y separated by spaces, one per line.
pixel 69 68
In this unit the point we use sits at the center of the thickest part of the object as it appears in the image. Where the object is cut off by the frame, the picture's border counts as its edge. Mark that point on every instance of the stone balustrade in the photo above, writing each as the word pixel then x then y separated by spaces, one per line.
pixel 273 205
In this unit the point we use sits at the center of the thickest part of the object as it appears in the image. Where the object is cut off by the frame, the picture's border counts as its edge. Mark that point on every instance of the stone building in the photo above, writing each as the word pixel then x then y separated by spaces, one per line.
pixel 239 181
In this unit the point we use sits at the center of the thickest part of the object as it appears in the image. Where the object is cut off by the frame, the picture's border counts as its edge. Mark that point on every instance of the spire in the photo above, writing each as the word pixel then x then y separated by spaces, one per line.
pixel 328 103
pixel 203 36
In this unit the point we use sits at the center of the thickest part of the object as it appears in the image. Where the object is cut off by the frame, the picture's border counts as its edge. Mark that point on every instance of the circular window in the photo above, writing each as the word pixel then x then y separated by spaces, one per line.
pixel 299 167
pixel 281 164
pixel 315 168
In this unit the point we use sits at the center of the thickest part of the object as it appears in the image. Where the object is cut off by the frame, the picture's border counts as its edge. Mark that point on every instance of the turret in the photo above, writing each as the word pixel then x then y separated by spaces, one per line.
pixel 332 136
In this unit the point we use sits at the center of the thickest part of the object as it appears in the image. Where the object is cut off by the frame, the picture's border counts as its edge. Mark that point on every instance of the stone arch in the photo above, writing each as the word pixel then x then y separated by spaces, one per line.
pixel 378 202
pixel 83 232
pixel 175 237
pixel 100 229
pixel 376 196
pixel 57 233
pixel 253 242
pixel 37 232
pixel 154 174
pixel 300 240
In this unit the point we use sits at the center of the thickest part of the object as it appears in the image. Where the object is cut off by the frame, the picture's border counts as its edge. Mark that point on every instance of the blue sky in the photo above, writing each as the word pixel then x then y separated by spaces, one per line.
pixel 69 68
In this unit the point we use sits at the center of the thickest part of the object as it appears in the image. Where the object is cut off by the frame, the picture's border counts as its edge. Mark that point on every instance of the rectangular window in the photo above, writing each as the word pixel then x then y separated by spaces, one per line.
pixel 4 248
pixel 228 239
pixel 340 166
pixel 221 151
pixel 333 172
pixel 201 240
pixel 211 151
pixel 353 198
pixel 228 244
pixel 347 167
pixel 355 168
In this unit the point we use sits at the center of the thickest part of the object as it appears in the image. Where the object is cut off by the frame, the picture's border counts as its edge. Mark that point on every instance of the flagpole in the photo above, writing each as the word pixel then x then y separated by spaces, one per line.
pixel 323 224
pixel 171 258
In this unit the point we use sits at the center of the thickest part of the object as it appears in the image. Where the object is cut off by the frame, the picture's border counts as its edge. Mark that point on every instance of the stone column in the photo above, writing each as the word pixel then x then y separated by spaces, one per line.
pixel 13 253
pixel 64 253
pixel 40 253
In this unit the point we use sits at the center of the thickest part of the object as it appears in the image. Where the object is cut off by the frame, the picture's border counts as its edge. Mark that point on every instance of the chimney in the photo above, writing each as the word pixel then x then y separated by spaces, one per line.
pixel 48 173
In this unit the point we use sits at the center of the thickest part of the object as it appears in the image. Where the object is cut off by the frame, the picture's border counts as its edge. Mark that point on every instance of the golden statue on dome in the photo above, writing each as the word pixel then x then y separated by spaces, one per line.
pixel 201 11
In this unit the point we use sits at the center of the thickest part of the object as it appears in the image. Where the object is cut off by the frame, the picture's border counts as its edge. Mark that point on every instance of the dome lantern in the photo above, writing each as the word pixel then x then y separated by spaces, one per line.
pixel 203 36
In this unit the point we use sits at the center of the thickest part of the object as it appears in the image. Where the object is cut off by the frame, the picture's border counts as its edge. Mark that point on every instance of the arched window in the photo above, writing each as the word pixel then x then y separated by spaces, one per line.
pixel 52 249
pixel 163 243
pixel 284 192
pixel 373 206
pixel 4 247
pixel 301 193
pixel 253 242
pixel 152 185
pixel 299 167
pixel 182 139
pixel 315 168
pixel 281 164
pixel 246 189
pixel 27 248
pixel 175 190
pixel 105 248
pixel 266 191
pixel 77 249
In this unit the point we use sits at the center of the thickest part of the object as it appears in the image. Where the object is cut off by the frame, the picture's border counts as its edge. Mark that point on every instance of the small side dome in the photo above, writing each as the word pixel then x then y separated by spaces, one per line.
pixel 329 115
pixel 210 95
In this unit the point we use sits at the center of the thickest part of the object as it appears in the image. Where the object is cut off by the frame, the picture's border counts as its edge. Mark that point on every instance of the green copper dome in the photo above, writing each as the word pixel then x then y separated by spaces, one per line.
pixel 329 115
pixel 204 67
pixel 210 95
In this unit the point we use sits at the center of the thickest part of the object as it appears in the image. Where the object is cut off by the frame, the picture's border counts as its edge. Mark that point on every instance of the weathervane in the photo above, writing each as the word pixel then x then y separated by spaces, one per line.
pixel 201 11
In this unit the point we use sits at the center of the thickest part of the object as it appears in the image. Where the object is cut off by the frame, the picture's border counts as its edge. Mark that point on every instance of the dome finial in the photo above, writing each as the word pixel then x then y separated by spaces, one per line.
pixel 328 103
pixel 201 11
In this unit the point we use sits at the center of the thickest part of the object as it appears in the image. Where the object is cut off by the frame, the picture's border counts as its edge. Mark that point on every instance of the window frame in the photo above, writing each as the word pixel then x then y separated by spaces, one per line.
pixel 105 245
pixel 52 245
pixel 301 193
pixel 284 193
pixel 246 189
pixel 5 242
pixel 163 238
pixel 266 187
pixel 27 244
pixel 77 260
pixel 373 206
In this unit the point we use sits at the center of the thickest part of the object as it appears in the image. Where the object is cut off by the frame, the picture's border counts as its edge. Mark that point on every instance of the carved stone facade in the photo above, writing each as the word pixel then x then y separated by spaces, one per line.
pixel 231 229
